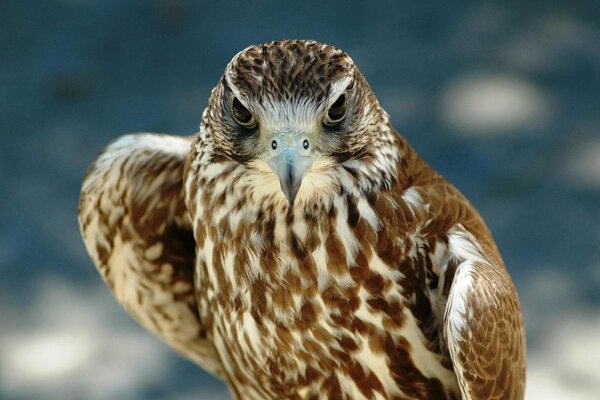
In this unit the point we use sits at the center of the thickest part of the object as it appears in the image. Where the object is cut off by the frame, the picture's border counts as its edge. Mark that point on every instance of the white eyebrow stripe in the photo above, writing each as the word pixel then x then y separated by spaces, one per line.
pixel 337 88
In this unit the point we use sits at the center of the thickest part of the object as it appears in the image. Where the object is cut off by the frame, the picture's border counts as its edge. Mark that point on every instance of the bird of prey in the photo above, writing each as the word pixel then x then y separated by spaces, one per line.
pixel 297 247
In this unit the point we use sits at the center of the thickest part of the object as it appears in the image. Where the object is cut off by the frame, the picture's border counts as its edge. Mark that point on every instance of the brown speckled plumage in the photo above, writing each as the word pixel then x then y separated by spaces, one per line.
pixel 374 279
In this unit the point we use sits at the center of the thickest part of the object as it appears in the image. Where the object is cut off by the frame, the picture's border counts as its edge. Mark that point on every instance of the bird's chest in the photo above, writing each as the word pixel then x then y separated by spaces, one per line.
pixel 303 304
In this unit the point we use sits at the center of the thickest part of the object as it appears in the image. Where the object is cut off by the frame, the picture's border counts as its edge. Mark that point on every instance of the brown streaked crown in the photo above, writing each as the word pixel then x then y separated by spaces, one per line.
pixel 289 69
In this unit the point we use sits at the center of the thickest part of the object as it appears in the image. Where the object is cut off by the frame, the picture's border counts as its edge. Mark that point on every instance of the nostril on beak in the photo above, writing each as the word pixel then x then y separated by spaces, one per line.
pixel 290 158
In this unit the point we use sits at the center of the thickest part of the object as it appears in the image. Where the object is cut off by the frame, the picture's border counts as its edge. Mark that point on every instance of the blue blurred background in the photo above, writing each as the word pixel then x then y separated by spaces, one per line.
pixel 500 97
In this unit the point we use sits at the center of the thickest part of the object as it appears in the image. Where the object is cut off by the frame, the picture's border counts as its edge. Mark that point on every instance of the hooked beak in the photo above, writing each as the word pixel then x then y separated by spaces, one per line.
pixel 291 158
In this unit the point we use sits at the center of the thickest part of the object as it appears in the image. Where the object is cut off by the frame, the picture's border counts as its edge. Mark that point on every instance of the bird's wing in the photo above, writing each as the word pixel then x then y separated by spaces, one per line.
pixel 137 231
pixel 482 324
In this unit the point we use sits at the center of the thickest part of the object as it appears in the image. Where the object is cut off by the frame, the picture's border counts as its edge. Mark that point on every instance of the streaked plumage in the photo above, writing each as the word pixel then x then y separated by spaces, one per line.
pixel 297 247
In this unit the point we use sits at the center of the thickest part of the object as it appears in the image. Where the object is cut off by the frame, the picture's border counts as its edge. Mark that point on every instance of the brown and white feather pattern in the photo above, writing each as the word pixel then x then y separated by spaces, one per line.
pixel 378 281
pixel 137 231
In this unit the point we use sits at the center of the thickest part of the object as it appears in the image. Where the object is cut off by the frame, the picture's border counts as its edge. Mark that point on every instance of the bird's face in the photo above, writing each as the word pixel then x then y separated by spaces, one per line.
pixel 293 109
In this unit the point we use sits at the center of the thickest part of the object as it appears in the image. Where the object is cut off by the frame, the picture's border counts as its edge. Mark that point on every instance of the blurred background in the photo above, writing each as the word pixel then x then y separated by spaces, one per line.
pixel 500 97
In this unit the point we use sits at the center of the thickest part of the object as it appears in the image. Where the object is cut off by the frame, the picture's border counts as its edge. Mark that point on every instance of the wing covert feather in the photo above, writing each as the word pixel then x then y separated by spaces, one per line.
pixel 137 231
pixel 483 326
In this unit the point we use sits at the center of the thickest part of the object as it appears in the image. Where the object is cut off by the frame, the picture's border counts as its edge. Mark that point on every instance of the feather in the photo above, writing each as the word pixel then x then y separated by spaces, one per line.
pixel 482 325
pixel 137 231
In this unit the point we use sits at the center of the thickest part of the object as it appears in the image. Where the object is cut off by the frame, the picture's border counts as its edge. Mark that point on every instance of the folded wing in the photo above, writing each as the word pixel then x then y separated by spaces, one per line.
pixel 483 328
pixel 137 231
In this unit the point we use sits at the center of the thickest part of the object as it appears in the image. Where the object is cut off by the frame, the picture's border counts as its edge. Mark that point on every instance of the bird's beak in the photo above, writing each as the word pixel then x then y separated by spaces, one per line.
pixel 290 158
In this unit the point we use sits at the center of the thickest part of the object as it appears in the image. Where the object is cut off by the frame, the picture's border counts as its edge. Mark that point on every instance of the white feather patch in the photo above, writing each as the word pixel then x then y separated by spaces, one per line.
pixel 413 198
pixel 366 212
pixel 457 312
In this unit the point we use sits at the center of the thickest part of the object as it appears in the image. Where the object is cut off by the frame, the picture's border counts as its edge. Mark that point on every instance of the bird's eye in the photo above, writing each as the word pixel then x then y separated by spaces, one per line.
pixel 336 112
pixel 242 115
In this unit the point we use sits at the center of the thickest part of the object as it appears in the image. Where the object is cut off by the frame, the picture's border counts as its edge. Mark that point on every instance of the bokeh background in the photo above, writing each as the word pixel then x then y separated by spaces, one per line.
pixel 501 97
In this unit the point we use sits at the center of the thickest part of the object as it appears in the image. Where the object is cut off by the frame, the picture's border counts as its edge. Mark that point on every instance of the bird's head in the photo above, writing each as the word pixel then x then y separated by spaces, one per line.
pixel 294 109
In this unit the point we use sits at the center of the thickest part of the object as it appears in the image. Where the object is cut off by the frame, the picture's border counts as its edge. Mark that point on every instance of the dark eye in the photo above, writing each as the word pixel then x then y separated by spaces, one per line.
pixel 336 112
pixel 242 115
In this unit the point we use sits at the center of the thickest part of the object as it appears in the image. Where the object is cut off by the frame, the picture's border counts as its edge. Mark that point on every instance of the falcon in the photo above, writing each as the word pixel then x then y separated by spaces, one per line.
pixel 297 247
